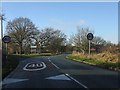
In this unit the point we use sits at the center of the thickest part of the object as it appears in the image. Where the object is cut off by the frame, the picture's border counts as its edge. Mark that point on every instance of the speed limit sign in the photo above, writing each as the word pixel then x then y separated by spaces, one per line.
pixel 89 36
pixel 6 39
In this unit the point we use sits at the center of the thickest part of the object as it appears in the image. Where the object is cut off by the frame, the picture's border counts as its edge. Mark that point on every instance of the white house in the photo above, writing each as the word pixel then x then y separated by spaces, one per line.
pixel 33 49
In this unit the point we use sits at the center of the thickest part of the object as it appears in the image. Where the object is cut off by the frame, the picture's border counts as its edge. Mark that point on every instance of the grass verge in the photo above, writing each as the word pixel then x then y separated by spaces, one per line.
pixel 92 61
pixel 9 65
pixel 35 55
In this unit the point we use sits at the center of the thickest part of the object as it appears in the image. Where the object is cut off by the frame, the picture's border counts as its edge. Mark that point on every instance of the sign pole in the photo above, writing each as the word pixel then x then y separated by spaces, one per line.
pixel 89 37
pixel 6 51
pixel 6 40
pixel 89 47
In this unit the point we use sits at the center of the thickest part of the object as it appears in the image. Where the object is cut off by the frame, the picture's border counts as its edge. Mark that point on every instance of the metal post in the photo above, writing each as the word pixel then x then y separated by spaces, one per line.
pixel 1 32
pixel 6 51
pixel 1 23
pixel 1 50
pixel 89 47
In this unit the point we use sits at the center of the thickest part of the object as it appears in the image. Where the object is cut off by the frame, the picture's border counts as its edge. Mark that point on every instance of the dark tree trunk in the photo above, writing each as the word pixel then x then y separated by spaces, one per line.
pixel 21 51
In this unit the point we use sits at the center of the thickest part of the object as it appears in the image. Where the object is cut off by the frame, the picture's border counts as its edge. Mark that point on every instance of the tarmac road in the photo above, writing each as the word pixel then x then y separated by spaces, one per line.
pixel 59 72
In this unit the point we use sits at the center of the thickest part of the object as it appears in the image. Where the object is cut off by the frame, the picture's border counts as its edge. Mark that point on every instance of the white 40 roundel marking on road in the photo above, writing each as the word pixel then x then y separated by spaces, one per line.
pixel 42 66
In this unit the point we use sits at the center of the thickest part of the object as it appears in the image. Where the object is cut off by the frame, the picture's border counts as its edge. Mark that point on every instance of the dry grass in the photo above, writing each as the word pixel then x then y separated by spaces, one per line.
pixel 105 60
pixel 106 56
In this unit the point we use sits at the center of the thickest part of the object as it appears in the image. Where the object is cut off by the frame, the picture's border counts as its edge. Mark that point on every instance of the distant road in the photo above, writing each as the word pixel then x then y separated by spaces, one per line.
pixel 58 72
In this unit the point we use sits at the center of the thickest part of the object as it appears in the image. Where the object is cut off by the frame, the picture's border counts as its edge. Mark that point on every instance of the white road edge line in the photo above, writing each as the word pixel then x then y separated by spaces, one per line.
pixel 76 81
pixel 44 66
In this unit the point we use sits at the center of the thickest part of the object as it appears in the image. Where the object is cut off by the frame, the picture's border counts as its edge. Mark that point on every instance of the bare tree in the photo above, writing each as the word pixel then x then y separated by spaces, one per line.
pixel 80 39
pixel 98 44
pixel 50 39
pixel 57 41
pixel 21 29
pixel 98 41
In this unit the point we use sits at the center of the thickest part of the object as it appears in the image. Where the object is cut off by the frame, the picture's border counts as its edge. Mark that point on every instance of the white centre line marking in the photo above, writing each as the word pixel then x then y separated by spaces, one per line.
pixel 77 81
pixel 53 64
pixel 69 76
pixel 49 60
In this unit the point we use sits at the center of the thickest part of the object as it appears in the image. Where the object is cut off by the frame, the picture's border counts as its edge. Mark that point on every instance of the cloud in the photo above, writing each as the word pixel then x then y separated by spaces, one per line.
pixel 66 24
pixel 62 24
pixel 81 22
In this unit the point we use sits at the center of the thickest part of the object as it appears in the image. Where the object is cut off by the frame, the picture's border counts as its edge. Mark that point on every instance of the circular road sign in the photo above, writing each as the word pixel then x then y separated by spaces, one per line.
pixel 89 36
pixel 6 39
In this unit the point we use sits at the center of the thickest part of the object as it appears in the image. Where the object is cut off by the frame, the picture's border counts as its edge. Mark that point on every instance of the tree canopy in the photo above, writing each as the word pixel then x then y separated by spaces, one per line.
pixel 80 40
pixel 21 30
pixel 25 34
pixel 49 38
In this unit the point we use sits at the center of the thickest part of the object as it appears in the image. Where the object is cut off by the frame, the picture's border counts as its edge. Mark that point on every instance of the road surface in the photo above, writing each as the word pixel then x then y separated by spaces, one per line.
pixel 58 72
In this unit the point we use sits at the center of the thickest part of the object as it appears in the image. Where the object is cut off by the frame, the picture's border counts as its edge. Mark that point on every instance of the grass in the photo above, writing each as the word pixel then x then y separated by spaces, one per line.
pixel 94 61
pixel 35 55
pixel 9 65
